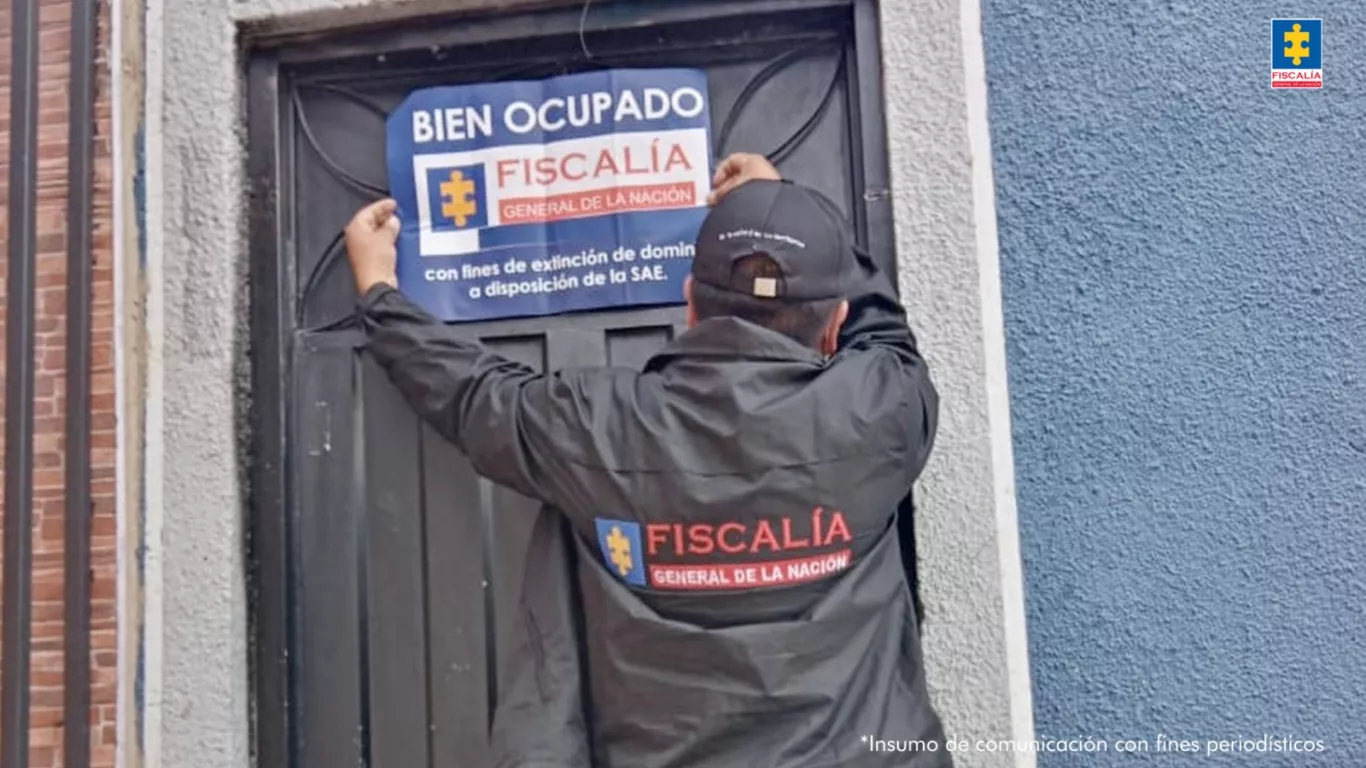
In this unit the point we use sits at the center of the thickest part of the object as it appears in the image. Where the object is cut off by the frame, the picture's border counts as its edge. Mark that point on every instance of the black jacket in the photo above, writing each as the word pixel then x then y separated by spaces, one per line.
pixel 729 590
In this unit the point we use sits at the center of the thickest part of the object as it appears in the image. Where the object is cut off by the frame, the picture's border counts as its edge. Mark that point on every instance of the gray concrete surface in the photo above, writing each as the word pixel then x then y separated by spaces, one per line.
pixel 966 530
pixel 198 694
pixel 194 670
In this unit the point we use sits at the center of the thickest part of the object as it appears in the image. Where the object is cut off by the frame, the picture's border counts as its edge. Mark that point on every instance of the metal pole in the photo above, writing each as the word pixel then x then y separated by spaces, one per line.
pixel 80 183
pixel 19 344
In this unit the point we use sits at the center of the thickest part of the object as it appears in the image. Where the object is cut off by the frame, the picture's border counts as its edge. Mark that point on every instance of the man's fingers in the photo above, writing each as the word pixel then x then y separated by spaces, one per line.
pixel 376 214
pixel 724 187
pixel 728 167
pixel 735 164
pixel 383 211
pixel 731 182
pixel 738 168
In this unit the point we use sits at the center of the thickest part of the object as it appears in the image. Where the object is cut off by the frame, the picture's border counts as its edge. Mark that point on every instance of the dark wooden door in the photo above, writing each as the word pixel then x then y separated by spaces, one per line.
pixel 384 567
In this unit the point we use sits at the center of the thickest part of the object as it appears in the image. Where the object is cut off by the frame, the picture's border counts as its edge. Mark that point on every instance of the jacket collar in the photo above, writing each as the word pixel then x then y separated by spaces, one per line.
pixel 730 338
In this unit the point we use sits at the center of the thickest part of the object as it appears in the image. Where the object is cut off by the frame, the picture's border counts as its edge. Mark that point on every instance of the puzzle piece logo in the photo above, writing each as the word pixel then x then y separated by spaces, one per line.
pixel 456 198
pixel 619 541
pixel 1296 53
pixel 1297 37
pixel 619 550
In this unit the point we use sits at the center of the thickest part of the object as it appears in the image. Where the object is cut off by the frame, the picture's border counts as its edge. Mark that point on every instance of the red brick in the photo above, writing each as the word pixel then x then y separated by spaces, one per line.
pixel 49 736
pixel 103 589
pixel 102 358
pixel 40 679
pixel 48 478
pixel 51 611
pixel 53 529
pixel 49 416
pixel 52 360
pixel 45 697
pixel 46 717
pixel 47 559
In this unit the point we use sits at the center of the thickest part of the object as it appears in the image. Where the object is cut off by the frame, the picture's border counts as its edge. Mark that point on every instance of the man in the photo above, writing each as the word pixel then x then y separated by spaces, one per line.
pixel 733 505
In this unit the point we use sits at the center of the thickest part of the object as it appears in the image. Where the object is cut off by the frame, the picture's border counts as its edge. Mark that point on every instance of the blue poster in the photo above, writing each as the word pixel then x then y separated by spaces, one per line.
pixel 540 197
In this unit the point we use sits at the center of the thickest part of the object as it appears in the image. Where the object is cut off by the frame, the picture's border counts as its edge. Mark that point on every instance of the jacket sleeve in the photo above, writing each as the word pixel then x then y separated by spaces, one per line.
pixel 877 325
pixel 513 423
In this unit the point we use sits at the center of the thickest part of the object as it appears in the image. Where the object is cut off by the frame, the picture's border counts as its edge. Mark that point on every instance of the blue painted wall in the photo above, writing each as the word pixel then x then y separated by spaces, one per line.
pixel 1184 262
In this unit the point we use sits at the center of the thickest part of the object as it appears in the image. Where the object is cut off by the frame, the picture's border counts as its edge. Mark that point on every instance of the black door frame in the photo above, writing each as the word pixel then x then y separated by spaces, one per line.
pixel 273 279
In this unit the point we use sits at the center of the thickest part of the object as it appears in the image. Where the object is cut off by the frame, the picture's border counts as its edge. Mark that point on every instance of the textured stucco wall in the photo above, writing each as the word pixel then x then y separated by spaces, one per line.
pixel 194 664
pixel 946 254
pixel 1184 264
pixel 198 705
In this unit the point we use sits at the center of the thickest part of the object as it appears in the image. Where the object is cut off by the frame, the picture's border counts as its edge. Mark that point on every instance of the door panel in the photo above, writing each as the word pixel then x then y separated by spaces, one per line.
pixel 327 663
pixel 394 573
pixel 403 566
pixel 457 648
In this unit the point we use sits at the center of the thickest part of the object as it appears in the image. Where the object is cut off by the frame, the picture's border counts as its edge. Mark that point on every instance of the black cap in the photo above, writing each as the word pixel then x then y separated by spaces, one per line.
pixel 798 228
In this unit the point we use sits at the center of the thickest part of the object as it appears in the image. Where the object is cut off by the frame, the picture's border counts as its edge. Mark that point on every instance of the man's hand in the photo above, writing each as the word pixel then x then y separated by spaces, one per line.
pixel 738 169
pixel 371 239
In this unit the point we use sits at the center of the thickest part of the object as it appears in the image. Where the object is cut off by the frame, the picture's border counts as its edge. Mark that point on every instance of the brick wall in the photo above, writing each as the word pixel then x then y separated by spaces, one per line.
pixel 49 409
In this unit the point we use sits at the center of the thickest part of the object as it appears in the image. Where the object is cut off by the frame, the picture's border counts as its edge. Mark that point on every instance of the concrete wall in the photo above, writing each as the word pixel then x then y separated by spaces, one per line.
pixel 1184 258
pixel 197 699
pixel 975 647
pixel 193 660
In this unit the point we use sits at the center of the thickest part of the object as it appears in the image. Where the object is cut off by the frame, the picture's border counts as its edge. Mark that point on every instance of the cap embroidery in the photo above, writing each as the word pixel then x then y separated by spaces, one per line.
pixel 754 234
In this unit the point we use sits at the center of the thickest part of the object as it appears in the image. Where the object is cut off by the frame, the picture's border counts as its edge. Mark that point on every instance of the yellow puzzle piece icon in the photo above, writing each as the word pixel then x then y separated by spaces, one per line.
pixel 1297 39
pixel 620 547
pixel 458 203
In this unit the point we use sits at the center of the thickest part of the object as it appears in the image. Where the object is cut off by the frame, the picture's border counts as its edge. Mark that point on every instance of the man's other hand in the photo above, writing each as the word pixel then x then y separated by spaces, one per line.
pixel 371 245
pixel 738 169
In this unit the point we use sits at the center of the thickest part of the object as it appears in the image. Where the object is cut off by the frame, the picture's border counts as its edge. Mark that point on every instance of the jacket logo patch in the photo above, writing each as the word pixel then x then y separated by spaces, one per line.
pixel 750 554
pixel 770 573
pixel 619 541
